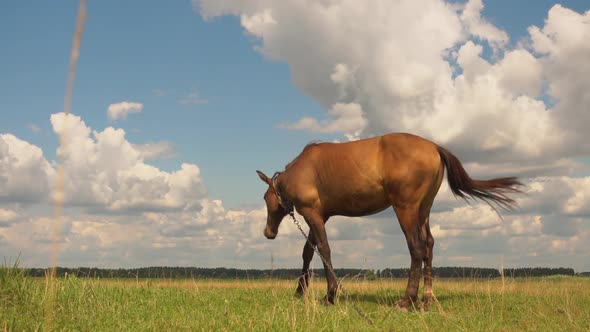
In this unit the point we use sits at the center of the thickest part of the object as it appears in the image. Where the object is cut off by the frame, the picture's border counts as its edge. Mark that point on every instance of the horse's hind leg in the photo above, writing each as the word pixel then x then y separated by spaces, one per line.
pixel 409 219
pixel 428 295
pixel 425 208
pixel 307 255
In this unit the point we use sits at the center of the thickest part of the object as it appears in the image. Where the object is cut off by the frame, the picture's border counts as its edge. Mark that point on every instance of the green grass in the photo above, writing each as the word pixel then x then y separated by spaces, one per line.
pixel 549 304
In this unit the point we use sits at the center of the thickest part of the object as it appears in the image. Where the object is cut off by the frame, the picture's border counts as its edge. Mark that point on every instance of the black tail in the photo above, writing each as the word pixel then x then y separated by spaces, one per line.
pixel 489 191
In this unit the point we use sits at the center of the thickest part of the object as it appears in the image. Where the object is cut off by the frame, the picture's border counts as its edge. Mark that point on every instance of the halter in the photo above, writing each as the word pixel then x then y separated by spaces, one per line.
pixel 285 204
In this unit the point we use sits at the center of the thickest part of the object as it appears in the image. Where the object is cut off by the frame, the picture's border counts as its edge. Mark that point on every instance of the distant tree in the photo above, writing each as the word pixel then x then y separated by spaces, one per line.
pixel 169 272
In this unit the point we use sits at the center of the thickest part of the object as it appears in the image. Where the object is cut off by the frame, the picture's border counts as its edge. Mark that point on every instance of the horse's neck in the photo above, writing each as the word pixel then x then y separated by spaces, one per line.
pixel 288 177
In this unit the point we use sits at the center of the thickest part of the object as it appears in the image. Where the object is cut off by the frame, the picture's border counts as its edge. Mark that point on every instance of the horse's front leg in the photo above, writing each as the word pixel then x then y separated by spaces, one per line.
pixel 307 255
pixel 317 227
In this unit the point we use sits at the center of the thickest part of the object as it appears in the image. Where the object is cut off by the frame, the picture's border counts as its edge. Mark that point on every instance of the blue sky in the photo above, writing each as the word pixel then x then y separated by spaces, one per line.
pixel 227 94
pixel 143 49
pixel 158 54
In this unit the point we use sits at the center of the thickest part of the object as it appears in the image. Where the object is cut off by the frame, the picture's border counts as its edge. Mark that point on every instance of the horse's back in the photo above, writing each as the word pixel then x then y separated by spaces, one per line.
pixel 410 147
pixel 378 158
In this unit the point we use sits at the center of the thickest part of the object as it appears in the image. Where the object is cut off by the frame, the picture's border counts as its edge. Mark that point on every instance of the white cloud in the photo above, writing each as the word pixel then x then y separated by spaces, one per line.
pixel 564 51
pixel 468 217
pixel 360 37
pixel 345 118
pixel 520 73
pixel 578 204
pixel 25 175
pixel 564 196
pixel 121 110
pixel 477 26
pixel 154 151
pixel 256 24
pixel 234 238
pixel 7 217
pixel 525 225
pixel 105 171
pixel 396 61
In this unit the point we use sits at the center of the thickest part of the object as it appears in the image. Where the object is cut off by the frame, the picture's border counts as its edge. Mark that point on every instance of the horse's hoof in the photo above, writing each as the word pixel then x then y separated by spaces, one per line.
pixel 426 304
pixel 401 309
pixel 299 293
pixel 328 300
pixel 403 305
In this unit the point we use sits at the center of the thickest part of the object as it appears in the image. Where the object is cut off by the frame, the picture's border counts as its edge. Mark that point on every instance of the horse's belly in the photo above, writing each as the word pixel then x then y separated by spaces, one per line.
pixel 359 203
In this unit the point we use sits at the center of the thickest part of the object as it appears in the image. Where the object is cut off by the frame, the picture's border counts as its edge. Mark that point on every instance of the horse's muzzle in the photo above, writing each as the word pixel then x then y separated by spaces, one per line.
pixel 269 234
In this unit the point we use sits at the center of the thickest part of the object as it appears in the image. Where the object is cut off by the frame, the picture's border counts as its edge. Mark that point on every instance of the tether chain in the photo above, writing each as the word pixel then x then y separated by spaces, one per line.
pixel 331 270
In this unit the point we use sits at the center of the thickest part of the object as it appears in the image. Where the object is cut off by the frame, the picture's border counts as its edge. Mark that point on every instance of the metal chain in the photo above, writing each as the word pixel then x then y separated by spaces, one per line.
pixel 331 270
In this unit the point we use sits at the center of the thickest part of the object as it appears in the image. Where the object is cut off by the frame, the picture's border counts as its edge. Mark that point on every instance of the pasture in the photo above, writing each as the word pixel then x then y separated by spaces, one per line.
pixel 521 304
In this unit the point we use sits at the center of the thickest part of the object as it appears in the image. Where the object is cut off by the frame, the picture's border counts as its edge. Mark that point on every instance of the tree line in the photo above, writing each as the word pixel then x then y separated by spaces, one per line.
pixel 175 272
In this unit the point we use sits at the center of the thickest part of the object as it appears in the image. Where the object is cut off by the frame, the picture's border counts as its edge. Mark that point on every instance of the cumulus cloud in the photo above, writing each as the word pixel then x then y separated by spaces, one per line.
pixel 345 118
pixel 121 110
pixel 563 51
pixel 468 217
pixel 477 26
pixel 154 151
pixel 7 217
pixel 214 236
pixel 105 171
pixel 117 207
pixel 418 67
pixel 25 175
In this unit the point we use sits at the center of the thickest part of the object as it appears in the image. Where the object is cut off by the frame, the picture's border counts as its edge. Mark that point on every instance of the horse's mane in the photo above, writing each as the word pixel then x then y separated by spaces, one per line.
pixel 312 143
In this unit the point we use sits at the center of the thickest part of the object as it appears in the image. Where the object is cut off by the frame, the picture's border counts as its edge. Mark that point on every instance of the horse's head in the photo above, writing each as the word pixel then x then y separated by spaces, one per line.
pixel 274 211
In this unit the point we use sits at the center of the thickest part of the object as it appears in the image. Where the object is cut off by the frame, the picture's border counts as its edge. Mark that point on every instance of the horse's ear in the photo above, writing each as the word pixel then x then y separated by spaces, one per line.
pixel 263 177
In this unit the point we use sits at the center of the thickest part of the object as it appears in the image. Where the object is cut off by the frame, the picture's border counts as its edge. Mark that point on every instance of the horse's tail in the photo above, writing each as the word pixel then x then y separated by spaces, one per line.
pixel 489 191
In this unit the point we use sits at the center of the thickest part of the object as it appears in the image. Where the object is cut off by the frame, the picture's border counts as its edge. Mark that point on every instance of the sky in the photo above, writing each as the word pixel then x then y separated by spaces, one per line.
pixel 176 105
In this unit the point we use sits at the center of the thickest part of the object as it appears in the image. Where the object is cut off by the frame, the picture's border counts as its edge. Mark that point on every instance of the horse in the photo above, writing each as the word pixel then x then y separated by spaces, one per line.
pixel 364 177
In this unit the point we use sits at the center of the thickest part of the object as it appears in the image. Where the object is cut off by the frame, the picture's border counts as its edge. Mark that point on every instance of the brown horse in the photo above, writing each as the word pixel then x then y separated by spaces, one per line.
pixel 365 177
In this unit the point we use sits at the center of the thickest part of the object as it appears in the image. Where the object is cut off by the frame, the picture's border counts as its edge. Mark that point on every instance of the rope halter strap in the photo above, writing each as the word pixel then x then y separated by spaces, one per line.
pixel 285 204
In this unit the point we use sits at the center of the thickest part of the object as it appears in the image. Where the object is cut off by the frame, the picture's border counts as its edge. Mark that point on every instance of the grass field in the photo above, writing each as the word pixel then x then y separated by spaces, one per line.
pixel 549 304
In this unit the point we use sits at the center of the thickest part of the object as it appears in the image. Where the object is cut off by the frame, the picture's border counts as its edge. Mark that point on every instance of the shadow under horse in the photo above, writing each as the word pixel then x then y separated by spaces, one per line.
pixel 365 177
